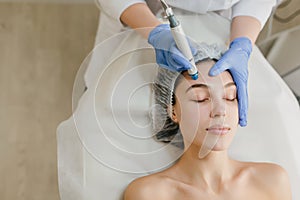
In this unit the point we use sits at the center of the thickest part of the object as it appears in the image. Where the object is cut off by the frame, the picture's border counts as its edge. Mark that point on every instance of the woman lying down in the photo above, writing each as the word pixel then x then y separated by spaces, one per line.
pixel 201 109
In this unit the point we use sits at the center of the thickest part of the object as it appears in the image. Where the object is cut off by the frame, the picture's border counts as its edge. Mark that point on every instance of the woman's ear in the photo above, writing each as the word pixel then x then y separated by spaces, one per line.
pixel 172 114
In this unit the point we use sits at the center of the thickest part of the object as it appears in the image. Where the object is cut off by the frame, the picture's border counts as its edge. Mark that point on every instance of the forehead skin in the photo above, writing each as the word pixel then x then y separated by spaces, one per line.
pixel 218 81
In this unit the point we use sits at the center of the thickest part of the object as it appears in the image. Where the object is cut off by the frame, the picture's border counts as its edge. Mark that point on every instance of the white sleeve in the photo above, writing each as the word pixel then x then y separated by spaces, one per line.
pixel 114 8
pixel 259 9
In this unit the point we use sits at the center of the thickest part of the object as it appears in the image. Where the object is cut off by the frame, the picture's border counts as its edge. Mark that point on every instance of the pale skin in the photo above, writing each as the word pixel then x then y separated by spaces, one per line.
pixel 210 101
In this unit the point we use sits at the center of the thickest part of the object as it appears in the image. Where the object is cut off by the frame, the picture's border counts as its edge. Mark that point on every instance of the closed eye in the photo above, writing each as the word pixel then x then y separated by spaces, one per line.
pixel 231 99
pixel 201 100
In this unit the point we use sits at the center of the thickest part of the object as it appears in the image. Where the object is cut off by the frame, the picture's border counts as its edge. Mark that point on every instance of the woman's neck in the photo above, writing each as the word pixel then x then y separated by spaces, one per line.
pixel 210 172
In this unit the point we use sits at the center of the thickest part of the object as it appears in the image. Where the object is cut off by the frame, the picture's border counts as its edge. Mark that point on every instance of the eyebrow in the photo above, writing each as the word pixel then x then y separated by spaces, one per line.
pixel 202 85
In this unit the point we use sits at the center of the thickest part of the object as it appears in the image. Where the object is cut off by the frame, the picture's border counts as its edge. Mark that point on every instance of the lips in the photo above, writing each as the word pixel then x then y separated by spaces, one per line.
pixel 218 129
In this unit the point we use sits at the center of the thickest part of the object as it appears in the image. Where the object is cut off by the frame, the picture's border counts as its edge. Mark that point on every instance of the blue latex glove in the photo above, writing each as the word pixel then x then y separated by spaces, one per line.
pixel 235 59
pixel 167 53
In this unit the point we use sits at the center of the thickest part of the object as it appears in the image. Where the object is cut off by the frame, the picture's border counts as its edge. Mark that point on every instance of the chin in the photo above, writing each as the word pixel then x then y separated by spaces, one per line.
pixel 220 147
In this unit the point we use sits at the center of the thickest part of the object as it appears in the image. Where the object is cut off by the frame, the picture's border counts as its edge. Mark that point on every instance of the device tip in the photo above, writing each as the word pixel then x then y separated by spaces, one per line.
pixel 194 76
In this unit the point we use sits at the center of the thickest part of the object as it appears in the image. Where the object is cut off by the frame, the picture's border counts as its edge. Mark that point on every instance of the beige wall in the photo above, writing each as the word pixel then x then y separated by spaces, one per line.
pixel 48 1
pixel 283 12
pixel 41 48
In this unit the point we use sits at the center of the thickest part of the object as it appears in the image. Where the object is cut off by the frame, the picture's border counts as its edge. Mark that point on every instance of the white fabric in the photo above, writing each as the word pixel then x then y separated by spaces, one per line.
pixel 109 22
pixel 259 9
pixel 114 8
pixel 106 143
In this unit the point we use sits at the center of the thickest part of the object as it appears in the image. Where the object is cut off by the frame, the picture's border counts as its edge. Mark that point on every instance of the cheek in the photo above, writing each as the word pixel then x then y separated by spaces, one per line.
pixel 232 113
pixel 193 117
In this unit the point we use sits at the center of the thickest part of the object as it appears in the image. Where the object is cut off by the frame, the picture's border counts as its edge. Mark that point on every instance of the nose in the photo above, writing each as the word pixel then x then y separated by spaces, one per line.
pixel 218 109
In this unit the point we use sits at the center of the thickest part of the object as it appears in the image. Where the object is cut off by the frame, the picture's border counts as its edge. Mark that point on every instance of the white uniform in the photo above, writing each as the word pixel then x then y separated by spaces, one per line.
pixel 259 9
pixel 111 10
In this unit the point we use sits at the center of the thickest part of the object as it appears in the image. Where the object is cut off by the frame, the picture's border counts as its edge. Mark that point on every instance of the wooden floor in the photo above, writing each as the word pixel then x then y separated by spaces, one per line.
pixel 41 48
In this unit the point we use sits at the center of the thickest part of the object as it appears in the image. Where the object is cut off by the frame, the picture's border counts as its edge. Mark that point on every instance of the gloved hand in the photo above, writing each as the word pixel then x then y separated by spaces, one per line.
pixel 167 53
pixel 235 59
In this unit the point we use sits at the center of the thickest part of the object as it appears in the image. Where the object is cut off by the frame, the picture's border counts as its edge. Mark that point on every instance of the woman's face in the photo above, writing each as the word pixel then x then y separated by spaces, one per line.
pixel 206 106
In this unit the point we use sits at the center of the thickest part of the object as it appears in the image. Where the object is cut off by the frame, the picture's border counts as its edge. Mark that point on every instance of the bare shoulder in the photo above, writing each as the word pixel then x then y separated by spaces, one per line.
pixel 273 178
pixel 148 187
